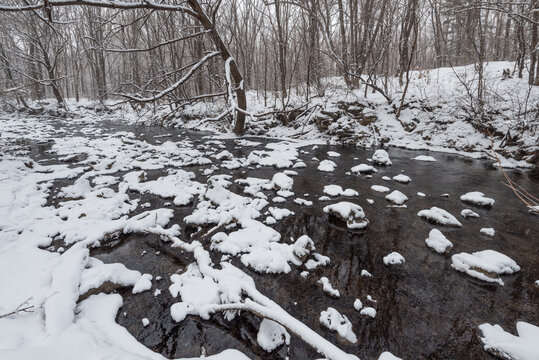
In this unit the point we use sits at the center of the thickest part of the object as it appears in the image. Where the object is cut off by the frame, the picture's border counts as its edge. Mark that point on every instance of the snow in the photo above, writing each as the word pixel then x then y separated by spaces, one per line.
pixel 358 304
pixel 333 320
pixel 145 322
pixel 402 178
pixel 365 273
pixel 282 181
pixel 333 154
pixel 363 169
pixel 303 202
pixel 439 216
pixel 438 242
pixel 328 288
pixel 351 213
pixel 336 190
pixel 393 258
pixel 380 188
pixel 381 157
pixel 524 346
pixel 386 355
pixel 327 166
pixel 271 335
pixel 368 311
pixel 485 265
pixel 424 158
pixel 487 232
pixel 467 213
pixel 143 284
pixel 420 194
pixel 396 197
pixel 477 198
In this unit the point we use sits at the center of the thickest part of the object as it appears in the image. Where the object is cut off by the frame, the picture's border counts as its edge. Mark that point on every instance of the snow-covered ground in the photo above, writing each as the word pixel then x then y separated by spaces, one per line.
pixel 437 115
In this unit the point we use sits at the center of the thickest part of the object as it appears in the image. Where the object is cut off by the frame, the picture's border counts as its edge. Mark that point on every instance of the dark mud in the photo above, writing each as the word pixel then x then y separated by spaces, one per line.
pixel 425 309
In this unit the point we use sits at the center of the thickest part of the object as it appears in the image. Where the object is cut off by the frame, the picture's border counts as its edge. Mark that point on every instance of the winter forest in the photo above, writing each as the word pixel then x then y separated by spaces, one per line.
pixel 269 179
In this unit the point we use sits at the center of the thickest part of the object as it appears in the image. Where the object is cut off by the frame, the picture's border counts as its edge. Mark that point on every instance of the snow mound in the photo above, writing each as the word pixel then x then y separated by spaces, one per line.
pixel 328 288
pixel 368 311
pixel 424 158
pixel 380 188
pixel 327 166
pixel 282 181
pixel 394 259
pixel 336 190
pixel 487 232
pixel 363 169
pixel 439 216
pixel 386 355
pixel 477 198
pixel 467 213
pixel 396 197
pixel 438 241
pixel 501 343
pixel 271 335
pixel 381 157
pixel 333 320
pixel 351 213
pixel 402 178
pixel 485 265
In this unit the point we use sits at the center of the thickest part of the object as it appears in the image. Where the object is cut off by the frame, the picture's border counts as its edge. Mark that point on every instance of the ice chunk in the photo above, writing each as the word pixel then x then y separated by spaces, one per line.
pixel 333 154
pixel 145 322
pixel 438 241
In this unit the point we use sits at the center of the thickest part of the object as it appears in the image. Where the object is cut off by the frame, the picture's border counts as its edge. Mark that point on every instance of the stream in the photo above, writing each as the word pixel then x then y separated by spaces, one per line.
pixel 425 309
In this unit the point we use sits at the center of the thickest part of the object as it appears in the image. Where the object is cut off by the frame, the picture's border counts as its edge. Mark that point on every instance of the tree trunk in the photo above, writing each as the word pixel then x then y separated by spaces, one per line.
pixel 237 77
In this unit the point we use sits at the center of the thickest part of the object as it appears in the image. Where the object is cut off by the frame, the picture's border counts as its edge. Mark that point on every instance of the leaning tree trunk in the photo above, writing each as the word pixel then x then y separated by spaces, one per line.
pixel 237 77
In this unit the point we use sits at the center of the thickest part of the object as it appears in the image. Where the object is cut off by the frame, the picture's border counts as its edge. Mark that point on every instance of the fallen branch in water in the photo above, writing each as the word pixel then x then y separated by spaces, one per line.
pixel 255 302
pixel 531 201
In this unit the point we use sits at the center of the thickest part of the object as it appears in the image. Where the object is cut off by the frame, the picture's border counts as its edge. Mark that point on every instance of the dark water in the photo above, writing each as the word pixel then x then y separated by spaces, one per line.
pixel 425 309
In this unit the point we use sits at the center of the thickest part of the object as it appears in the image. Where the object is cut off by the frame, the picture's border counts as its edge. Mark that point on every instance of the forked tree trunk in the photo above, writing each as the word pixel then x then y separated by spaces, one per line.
pixel 237 77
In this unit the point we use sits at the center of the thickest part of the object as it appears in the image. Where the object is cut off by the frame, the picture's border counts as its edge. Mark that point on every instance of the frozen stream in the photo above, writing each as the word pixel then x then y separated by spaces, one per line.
pixel 424 307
